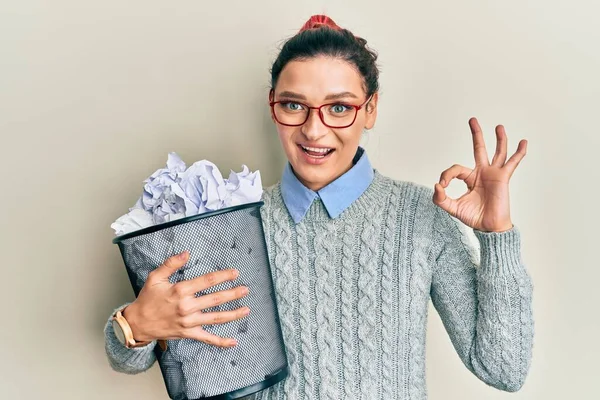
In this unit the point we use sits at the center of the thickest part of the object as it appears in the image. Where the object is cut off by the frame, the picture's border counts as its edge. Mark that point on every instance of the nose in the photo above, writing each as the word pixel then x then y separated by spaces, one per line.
pixel 314 128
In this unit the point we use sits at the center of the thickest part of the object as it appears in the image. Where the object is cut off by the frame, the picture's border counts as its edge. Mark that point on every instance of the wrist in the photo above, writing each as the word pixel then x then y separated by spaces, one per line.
pixel 498 228
pixel 131 316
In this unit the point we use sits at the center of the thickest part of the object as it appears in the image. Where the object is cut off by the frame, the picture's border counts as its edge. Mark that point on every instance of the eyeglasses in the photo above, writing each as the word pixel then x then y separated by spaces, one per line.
pixel 335 115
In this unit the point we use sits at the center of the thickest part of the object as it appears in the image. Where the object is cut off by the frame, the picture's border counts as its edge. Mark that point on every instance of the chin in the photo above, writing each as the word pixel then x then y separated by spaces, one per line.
pixel 316 176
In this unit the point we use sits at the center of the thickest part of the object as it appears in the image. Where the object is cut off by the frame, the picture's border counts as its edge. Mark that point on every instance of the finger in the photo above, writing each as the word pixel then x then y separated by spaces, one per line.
pixel 171 264
pixel 481 157
pixel 456 171
pixel 205 281
pixel 442 200
pixel 209 338
pixel 501 143
pixel 213 318
pixel 218 298
pixel 516 158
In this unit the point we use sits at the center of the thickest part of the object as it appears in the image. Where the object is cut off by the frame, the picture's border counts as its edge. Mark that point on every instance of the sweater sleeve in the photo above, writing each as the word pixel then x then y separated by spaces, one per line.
pixel 485 304
pixel 122 359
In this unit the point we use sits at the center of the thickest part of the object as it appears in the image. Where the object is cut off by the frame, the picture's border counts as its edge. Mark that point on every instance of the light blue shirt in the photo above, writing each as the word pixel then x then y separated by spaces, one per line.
pixel 336 197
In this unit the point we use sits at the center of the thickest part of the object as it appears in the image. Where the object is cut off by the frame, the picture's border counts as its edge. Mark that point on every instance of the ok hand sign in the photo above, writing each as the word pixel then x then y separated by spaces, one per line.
pixel 485 206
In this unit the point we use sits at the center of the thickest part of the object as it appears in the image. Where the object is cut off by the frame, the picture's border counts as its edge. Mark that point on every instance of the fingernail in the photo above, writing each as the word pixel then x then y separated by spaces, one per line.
pixel 183 255
pixel 443 182
pixel 246 311
pixel 233 342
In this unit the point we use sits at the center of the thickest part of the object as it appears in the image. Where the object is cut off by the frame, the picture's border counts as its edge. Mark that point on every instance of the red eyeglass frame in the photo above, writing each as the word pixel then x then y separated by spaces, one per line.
pixel 357 108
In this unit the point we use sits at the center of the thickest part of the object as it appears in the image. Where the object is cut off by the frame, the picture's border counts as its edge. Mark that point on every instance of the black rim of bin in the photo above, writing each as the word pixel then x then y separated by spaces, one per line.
pixel 183 220
pixel 257 387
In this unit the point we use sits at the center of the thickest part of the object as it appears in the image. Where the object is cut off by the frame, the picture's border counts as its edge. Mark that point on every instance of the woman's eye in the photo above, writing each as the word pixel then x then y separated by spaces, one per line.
pixel 292 106
pixel 339 108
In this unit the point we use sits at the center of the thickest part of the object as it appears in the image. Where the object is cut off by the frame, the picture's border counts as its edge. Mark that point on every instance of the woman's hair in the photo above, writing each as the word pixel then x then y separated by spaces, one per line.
pixel 320 36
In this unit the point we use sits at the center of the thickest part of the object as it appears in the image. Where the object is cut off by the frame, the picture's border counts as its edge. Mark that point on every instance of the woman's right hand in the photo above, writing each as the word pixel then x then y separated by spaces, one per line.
pixel 164 310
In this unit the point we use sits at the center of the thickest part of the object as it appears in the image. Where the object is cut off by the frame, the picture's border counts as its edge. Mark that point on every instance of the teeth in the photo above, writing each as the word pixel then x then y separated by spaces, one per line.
pixel 316 149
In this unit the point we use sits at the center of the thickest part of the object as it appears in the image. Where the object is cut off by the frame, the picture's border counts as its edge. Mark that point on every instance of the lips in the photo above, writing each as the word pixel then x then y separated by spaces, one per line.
pixel 315 158
pixel 316 151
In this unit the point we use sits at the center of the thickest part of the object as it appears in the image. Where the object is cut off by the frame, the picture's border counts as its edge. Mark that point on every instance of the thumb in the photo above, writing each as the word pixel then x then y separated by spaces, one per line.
pixel 171 264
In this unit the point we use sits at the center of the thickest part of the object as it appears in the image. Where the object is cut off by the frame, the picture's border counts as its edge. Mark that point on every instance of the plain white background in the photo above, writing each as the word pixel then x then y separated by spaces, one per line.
pixel 94 94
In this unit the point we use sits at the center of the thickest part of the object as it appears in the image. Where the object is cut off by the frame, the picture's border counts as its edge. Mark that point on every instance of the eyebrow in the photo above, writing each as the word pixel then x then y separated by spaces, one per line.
pixel 333 96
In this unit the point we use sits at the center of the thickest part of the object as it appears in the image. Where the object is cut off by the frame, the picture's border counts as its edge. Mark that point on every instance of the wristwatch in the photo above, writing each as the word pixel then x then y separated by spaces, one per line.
pixel 123 331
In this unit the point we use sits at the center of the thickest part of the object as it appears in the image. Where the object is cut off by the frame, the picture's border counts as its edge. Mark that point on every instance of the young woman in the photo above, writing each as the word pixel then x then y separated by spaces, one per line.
pixel 356 256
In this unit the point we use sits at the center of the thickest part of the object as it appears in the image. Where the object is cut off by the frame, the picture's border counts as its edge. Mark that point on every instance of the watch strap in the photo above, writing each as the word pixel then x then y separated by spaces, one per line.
pixel 130 342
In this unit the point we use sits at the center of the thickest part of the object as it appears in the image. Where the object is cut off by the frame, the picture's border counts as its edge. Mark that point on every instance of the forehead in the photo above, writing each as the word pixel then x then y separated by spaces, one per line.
pixel 319 76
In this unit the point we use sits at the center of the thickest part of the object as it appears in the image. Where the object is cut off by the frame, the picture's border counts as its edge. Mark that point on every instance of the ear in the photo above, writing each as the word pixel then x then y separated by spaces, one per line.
pixel 371 111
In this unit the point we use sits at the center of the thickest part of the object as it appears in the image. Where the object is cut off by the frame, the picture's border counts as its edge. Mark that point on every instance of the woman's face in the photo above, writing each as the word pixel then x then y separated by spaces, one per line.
pixel 313 82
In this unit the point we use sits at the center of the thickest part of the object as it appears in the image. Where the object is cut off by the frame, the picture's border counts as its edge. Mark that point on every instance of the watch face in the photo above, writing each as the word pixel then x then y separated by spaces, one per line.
pixel 118 331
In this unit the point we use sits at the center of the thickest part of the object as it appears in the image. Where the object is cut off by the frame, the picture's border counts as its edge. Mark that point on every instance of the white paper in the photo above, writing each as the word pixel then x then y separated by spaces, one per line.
pixel 175 192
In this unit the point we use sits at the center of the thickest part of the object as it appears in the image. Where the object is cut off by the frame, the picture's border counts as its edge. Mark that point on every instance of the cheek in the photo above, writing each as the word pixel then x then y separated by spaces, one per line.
pixel 286 133
pixel 286 137
pixel 353 135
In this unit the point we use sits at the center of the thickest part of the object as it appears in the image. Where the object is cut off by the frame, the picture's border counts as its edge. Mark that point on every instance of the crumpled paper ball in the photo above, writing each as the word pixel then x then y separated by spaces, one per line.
pixel 176 191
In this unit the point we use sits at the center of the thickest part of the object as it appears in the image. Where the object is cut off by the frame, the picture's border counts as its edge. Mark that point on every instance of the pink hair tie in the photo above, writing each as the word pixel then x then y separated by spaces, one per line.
pixel 317 21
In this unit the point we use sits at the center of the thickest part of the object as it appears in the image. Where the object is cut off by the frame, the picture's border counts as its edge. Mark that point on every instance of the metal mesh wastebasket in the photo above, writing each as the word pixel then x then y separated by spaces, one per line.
pixel 231 237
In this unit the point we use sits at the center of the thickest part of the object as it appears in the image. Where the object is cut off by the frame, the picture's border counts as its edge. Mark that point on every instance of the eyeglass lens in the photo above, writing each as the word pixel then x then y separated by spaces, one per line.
pixel 334 115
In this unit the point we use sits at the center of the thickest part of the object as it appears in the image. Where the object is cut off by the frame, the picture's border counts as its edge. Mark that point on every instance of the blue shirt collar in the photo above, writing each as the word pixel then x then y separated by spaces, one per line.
pixel 336 196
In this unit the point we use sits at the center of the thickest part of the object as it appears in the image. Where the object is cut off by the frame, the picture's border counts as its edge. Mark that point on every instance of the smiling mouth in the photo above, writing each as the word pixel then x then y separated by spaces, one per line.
pixel 316 152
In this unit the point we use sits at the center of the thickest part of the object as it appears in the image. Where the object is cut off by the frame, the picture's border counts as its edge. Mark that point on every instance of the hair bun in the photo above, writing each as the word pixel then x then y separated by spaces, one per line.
pixel 317 21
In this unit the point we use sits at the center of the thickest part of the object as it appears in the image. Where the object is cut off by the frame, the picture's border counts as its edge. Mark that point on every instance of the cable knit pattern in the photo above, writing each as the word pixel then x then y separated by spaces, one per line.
pixel 325 311
pixel 387 300
pixel 420 278
pixel 348 319
pixel 284 265
pixel 302 260
pixel 353 295
pixel 366 305
pixel 305 328
pixel 267 223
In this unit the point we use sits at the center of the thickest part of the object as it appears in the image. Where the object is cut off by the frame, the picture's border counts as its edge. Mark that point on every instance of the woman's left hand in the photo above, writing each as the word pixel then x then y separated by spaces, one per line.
pixel 485 206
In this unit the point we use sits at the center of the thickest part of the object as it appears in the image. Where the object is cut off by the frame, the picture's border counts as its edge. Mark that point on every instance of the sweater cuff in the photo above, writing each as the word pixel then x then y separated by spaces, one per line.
pixel 122 355
pixel 500 252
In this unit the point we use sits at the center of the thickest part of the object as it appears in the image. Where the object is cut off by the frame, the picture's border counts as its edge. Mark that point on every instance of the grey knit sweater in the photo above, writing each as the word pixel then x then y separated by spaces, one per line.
pixel 353 296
